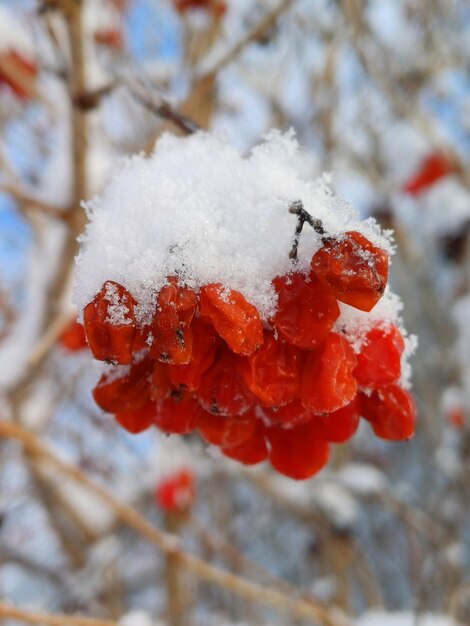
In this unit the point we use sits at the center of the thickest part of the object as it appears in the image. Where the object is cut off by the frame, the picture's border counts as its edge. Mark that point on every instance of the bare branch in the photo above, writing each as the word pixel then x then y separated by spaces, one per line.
pixel 169 544
pixel 256 32
pixel 157 105
pixel 7 611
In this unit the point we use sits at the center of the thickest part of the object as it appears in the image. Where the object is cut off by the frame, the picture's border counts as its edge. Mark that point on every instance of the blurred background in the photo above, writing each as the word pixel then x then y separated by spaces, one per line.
pixel 378 93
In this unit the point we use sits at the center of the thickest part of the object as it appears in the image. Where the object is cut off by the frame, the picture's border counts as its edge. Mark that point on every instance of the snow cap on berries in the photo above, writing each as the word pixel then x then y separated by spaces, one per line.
pixel 197 209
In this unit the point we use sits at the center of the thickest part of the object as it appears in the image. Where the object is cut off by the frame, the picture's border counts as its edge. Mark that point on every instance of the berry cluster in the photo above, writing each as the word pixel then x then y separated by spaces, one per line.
pixel 280 389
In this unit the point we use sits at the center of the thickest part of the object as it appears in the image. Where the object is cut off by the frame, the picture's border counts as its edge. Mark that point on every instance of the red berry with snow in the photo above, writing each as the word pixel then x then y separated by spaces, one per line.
pixel 379 359
pixel 236 320
pixel 110 324
pixel 306 310
pixel 205 342
pixel 171 338
pixel 276 369
pixel 391 412
pixel 353 268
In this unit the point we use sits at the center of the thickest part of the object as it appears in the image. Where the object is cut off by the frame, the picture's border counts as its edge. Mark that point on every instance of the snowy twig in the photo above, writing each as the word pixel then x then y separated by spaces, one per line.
pixel 297 208
pixel 7 611
pixel 169 544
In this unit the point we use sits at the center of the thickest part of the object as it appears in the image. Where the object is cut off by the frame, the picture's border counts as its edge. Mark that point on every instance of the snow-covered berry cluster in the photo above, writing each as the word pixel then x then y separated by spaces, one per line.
pixel 271 352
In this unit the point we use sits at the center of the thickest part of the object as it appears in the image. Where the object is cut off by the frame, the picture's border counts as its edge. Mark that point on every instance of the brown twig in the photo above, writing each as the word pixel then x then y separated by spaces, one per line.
pixel 8 611
pixel 169 544
pixel 32 203
pixel 256 32
pixel 157 105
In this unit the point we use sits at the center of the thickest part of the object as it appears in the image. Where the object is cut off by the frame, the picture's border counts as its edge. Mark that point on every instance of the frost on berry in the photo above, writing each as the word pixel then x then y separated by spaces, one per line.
pixel 353 268
pixel 110 324
pixel 306 310
pixel 236 320
pixel 390 411
pixel 220 313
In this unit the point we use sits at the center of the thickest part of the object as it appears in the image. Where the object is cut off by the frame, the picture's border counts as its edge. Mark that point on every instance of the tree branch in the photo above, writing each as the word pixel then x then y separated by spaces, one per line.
pixel 169 544
pixel 8 611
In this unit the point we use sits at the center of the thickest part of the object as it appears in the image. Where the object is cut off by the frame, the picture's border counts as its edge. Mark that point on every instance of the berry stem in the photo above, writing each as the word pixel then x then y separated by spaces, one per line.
pixel 297 208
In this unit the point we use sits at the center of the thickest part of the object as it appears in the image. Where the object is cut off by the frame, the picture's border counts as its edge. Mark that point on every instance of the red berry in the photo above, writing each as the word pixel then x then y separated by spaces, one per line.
pixel 272 373
pixel 171 336
pixel 160 386
pixel 353 268
pixel 141 339
pixel 236 320
pixel 379 359
pixel 298 453
pixel 110 38
pixel 73 337
pixel 289 415
pixel 137 420
pixel 227 431
pixel 205 342
pixel 328 383
pixel 124 388
pixel 434 167
pixel 176 492
pixel 391 412
pixel 19 74
pixel 306 310
pixel 221 390
pixel 251 451
pixel 177 416
pixel 110 324
pixel 339 426
pixel 456 417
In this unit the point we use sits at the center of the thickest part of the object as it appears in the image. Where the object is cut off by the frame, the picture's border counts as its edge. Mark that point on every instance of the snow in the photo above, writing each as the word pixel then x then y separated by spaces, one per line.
pixel 362 479
pixel 14 35
pixel 138 618
pixel 197 209
pixel 378 618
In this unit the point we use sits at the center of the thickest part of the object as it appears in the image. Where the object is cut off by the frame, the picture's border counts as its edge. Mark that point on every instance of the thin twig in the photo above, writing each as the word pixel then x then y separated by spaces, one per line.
pixel 169 544
pixel 8 611
pixel 297 208
pixel 32 203
pixel 157 105
pixel 258 31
